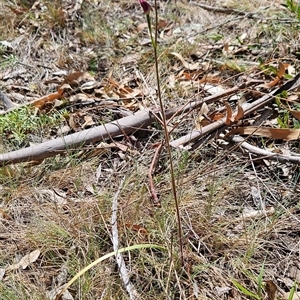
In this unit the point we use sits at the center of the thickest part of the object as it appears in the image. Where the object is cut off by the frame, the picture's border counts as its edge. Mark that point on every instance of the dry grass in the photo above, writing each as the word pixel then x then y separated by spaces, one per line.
pixel 63 206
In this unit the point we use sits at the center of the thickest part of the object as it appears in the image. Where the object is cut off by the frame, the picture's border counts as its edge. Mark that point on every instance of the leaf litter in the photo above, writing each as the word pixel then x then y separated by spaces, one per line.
pixel 97 81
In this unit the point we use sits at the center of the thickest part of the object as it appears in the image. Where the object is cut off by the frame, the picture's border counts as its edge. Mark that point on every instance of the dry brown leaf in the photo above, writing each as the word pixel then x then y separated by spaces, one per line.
pixel 130 59
pixel 130 104
pixel 210 79
pixel 76 77
pixel 275 133
pixel 229 118
pixel 141 27
pixel 295 113
pixel 119 146
pixel 88 122
pixel 127 92
pixel 240 113
pixel 280 73
pixel 18 10
pixel 4 215
pixel 271 289
pixel 137 228
pixel 187 65
pixel 252 214
pixel 191 75
pixel 272 83
pixel 25 261
pixel 162 24
pixel 201 120
pixel 72 122
pixel 187 76
pixel 281 69
pixel 226 47
pixel 40 103
pixel 216 116
pixel 293 98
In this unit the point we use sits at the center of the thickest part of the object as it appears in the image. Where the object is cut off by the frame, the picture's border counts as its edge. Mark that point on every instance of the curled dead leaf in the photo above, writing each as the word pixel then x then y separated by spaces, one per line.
pixel 88 121
pixel 295 113
pixel 240 113
pixel 280 73
pixel 229 118
pixel 72 122
pixel 272 83
pixel 40 103
pixel 76 77
pixel 187 65
pixel 137 228
pixel 275 133
pixel 281 69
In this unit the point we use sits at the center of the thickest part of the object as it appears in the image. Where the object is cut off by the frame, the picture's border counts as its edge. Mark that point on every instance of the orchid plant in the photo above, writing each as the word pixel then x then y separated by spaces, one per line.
pixel 147 9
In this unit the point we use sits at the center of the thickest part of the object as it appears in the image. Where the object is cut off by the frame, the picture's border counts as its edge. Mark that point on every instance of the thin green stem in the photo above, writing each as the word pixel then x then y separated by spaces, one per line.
pixel 153 41
pixel 164 119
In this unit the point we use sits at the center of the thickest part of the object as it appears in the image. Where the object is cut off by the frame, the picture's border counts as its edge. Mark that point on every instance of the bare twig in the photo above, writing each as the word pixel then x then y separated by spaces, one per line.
pixel 266 154
pixel 153 165
pixel 221 9
pixel 133 294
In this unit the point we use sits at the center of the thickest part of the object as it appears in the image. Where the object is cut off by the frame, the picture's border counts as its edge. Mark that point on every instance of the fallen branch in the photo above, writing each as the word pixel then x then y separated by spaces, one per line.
pixel 265 153
pixel 127 125
pixel 247 107
pixel 54 147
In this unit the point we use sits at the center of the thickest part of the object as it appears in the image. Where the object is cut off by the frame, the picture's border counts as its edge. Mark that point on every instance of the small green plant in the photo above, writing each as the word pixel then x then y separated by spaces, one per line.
pixel 294 7
pixel 285 118
pixel 16 125
pixel 7 60
pixel 253 295
pixel 215 37
pixel 283 121
pixel 292 291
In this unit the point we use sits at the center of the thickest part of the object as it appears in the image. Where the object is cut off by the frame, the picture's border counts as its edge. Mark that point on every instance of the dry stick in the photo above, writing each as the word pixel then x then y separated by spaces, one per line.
pixel 247 107
pixel 133 294
pixel 221 9
pixel 54 147
pixel 153 165
pixel 127 125
pixel 232 11
pixel 265 153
